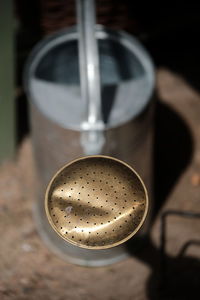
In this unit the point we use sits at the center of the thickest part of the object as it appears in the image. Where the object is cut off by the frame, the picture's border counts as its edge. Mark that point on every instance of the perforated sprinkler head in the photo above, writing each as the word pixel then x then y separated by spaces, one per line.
pixel 96 202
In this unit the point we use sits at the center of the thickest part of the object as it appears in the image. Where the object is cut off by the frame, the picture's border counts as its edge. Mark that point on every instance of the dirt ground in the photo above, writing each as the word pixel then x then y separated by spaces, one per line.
pixel 29 270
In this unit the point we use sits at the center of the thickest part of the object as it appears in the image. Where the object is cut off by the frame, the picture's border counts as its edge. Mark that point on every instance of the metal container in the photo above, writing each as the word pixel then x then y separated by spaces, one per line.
pixel 53 86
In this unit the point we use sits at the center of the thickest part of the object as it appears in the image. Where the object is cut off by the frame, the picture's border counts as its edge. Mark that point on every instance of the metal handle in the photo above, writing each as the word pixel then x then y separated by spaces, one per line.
pixel 92 138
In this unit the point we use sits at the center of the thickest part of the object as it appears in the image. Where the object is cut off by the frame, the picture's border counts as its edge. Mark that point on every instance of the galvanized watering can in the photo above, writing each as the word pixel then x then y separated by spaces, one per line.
pixel 52 83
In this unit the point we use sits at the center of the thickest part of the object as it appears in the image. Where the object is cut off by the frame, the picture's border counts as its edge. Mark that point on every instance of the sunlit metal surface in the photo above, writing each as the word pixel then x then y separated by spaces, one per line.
pixel 96 202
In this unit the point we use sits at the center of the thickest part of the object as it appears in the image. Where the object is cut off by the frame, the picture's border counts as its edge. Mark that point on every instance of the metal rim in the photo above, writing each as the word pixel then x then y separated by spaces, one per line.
pixel 129 42
pixel 105 246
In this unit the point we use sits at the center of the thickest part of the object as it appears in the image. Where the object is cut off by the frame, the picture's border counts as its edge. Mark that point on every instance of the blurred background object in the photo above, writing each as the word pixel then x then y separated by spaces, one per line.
pixel 7 91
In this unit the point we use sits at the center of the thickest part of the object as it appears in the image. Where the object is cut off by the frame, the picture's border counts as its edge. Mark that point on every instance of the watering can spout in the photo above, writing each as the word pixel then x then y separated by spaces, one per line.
pixel 96 202
pixel 92 137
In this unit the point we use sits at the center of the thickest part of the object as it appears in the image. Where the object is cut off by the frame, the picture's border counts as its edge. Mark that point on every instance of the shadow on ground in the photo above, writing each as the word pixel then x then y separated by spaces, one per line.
pixel 180 281
pixel 172 154
pixel 173 150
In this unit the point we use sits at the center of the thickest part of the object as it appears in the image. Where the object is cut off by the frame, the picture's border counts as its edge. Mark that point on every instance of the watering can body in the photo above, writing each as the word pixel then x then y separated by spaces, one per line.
pixel 56 111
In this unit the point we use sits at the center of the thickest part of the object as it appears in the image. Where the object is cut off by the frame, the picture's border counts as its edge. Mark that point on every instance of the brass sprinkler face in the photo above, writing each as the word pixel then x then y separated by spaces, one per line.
pixel 96 202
